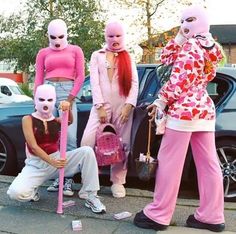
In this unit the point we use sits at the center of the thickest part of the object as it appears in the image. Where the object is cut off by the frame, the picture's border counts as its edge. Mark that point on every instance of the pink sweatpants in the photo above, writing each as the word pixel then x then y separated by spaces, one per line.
pixel 171 157
pixel 119 170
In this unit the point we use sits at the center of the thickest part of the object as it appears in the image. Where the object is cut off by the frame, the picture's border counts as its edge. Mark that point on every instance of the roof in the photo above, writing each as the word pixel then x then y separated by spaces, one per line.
pixel 6 81
pixel 224 34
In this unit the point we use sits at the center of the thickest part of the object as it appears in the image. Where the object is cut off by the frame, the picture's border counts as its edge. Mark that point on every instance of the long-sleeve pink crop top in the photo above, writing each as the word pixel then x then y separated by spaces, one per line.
pixel 66 63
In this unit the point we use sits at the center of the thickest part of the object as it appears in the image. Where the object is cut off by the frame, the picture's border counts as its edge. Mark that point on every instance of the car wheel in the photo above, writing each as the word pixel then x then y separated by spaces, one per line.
pixel 8 164
pixel 226 150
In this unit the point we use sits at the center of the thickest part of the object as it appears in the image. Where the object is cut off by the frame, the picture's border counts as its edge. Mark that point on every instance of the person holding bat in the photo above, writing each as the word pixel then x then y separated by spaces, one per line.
pixel 42 131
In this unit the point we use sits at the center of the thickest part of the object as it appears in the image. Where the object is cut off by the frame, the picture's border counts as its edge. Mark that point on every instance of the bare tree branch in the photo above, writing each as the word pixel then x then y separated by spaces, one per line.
pixel 158 4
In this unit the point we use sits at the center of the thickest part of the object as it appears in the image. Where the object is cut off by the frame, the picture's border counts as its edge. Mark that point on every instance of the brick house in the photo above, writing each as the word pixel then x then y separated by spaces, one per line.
pixel 224 34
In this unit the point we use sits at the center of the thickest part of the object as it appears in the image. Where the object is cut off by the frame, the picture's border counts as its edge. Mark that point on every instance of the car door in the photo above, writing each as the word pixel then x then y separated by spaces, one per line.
pixel 84 104
pixel 152 83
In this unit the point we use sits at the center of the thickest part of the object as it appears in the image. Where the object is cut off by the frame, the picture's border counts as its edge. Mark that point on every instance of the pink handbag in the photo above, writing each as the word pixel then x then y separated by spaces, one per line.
pixel 108 147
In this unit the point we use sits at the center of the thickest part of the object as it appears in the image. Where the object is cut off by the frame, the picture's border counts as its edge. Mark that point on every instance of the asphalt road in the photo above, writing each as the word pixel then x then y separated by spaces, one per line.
pixel 40 217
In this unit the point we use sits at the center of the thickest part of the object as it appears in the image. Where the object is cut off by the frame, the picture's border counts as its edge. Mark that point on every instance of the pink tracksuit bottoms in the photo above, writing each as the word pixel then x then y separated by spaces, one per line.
pixel 171 157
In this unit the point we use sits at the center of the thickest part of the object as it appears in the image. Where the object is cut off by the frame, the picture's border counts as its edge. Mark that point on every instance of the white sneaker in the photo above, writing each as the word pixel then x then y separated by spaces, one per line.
pixel 54 187
pixel 94 203
pixel 67 189
pixel 36 197
pixel 118 190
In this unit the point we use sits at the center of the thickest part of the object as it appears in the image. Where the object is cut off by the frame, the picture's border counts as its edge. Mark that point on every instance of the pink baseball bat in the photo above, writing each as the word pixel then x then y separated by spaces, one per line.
pixel 63 143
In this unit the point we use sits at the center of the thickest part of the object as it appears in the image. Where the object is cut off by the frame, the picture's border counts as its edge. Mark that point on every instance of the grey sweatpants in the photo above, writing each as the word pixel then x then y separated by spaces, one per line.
pixel 37 171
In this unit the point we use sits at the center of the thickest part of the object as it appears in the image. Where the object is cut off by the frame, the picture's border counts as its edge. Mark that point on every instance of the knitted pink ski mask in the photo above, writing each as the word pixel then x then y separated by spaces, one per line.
pixel 44 99
pixel 115 36
pixel 194 21
pixel 57 34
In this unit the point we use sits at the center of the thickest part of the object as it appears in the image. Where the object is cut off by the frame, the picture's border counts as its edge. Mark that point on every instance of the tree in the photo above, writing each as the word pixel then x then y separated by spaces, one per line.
pixel 24 33
pixel 145 16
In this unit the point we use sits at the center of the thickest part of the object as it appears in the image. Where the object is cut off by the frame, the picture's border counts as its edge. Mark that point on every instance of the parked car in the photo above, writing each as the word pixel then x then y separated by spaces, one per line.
pixel 151 77
pixel 11 92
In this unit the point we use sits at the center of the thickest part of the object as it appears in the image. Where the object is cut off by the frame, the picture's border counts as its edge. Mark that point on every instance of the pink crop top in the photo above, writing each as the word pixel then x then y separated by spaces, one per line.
pixel 66 63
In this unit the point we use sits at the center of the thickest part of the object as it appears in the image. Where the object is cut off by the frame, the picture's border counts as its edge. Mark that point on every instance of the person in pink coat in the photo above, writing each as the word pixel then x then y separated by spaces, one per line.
pixel 190 119
pixel 114 82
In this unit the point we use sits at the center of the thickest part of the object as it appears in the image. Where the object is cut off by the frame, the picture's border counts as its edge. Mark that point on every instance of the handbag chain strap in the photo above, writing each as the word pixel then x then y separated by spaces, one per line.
pixel 149 140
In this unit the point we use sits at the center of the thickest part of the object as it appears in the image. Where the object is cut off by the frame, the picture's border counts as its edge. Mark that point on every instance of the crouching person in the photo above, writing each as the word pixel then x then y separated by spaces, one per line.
pixel 42 131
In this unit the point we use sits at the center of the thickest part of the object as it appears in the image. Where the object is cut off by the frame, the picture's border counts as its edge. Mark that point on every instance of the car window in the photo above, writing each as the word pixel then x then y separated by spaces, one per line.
pixel 85 94
pixel 218 89
pixel 5 90
pixel 16 90
pixel 143 77
pixel 152 86
pixel 164 72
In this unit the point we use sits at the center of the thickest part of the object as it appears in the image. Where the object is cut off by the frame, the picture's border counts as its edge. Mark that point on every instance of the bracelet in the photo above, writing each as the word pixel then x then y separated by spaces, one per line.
pixel 97 106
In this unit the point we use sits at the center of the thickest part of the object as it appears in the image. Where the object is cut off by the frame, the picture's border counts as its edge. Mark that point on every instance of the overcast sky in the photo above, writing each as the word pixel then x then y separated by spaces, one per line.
pixel 220 12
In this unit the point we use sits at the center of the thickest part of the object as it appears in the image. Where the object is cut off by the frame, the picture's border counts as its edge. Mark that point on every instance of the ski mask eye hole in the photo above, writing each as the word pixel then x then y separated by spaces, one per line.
pixel 53 37
pixel 191 19
pixel 50 100
pixel 61 37
pixel 111 36
pixel 41 99
pixel 182 21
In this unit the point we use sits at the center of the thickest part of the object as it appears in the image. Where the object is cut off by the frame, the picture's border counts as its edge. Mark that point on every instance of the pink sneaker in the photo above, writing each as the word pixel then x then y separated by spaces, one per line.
pixel 118 190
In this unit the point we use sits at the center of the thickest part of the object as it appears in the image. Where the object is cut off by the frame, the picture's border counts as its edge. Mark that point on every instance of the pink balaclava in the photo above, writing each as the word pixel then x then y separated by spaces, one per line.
pixel 194 21
pixel 57 34
pixel 115 36
pixel 44 99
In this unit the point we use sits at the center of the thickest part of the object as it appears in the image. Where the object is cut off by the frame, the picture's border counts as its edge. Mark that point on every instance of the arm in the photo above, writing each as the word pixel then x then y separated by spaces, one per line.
pixel 80 73
pixel 66 106
pixel 133 94
pixel 170 52
pixel 38 151
pixel 94 79
pixel 131 100
pixel 39 71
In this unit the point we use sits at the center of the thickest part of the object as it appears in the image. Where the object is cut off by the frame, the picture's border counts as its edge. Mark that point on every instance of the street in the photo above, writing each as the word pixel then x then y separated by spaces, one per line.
pixel 40 217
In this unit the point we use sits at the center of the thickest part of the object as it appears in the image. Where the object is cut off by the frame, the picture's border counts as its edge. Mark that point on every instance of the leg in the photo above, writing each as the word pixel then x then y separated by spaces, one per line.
pixel 62 90
pixel 84 160
pixel 93 123
pixel 171 158
pixel 89 135
pixel 25 185
pixel 210 181
pixel 119 170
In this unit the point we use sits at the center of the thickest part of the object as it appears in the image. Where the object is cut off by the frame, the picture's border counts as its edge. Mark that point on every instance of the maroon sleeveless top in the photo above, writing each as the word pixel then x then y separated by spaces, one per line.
pixel 49 141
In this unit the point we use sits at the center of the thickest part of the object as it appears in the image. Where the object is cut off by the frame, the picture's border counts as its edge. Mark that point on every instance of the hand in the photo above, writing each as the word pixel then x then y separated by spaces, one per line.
pixel 125 112
pixel 180 38
pixel 102 114
pixel 153 109
pixel 65 106
pixel 58 163
pixel 70 99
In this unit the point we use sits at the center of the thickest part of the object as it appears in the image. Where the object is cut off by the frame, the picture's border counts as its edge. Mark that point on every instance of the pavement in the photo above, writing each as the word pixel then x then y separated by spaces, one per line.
pixel 41 217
